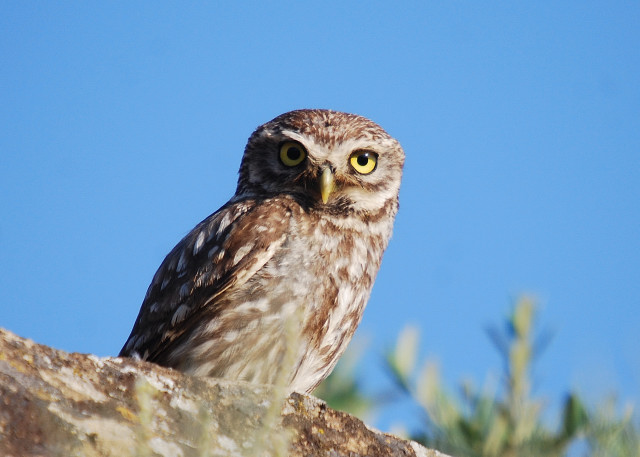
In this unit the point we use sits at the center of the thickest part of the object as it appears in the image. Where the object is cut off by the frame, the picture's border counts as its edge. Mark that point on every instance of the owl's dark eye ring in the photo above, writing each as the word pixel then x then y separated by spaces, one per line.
pixel 364 162
pixel 292 153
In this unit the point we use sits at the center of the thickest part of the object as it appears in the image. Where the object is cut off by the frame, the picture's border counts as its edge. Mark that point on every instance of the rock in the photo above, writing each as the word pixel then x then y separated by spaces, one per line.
pixel 53 403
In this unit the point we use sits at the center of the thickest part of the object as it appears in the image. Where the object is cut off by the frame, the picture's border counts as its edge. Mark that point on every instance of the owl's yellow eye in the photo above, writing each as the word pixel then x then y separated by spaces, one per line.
pixel 364 162
pixel 292 153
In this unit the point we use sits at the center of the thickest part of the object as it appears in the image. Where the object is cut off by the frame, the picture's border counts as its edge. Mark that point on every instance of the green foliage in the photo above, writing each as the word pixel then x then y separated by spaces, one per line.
pixel 489 422
pixel 609 435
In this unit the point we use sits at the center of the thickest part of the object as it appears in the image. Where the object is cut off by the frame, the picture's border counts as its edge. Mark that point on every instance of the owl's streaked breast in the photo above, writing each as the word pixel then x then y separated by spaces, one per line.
pixel 308 298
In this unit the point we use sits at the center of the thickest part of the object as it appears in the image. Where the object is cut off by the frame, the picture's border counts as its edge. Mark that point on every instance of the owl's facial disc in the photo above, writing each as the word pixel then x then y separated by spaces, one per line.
pixel 333 162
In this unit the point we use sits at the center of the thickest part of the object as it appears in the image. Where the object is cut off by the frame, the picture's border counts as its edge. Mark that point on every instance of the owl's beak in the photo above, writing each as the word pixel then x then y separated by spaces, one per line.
pixel 326 184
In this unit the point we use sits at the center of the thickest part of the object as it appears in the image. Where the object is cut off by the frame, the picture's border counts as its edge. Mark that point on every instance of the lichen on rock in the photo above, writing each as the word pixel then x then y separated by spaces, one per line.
pixel 54 403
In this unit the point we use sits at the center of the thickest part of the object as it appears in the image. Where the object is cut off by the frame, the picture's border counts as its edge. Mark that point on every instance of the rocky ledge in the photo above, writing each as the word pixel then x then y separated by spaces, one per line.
pixel 53 403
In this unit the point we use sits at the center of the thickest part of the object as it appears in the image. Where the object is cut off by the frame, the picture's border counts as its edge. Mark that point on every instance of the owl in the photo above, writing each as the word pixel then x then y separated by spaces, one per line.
pixel 271 287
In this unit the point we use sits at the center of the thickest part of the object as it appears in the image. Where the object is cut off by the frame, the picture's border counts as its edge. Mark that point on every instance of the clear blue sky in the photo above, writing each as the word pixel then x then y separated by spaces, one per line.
pixel 122 125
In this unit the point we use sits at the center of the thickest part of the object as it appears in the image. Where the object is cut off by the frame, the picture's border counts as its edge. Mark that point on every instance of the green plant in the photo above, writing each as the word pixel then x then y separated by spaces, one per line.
pixel 503 422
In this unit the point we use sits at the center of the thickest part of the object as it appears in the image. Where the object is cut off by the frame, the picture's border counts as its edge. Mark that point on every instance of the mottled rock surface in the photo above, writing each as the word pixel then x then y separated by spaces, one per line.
pixel 53 403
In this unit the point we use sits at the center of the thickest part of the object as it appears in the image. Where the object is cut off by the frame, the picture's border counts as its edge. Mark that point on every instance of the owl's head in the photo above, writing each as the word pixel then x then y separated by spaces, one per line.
pixel 327 160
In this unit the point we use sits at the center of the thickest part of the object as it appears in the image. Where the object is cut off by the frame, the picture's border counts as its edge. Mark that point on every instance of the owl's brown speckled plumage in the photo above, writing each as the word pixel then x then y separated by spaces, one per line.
pixel 278 257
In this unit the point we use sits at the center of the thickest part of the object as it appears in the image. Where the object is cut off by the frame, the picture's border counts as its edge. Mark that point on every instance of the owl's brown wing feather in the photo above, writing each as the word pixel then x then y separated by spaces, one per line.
pixel 223 251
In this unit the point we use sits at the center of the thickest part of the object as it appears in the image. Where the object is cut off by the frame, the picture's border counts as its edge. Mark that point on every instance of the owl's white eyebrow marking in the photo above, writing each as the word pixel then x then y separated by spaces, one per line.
pixel 295 136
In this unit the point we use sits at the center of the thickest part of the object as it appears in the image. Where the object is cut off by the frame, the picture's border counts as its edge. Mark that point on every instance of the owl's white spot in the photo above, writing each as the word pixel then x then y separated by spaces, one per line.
pixel 212 233
pixel 171 266
pixel 185 290
pixel 182 263
pixel 344 302
pixel 240 253
pixel 230 335
pixel 213 251
pixel 131 343
pixel 198 244
pixel 356 269
pixel 201 350
pixel 261 305
pixel 180 314
pixel 224 223
pixel 212 327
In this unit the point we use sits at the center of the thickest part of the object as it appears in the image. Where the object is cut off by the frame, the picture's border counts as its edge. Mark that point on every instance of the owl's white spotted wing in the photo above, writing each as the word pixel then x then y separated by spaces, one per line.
pixel 221 252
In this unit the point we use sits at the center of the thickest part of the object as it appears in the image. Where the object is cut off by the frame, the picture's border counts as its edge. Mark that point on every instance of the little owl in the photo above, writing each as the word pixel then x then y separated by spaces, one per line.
pixel 271 287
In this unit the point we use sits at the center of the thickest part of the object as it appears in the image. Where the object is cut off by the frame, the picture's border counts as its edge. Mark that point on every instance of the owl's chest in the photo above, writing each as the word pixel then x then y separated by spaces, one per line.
pixel 309 296
pixel 318 261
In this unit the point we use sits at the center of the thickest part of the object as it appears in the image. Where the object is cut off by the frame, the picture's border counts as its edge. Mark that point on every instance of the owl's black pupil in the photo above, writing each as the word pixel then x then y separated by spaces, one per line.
pixel 363 160
pixel 294 153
